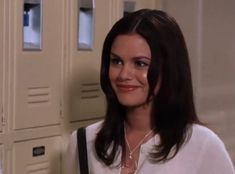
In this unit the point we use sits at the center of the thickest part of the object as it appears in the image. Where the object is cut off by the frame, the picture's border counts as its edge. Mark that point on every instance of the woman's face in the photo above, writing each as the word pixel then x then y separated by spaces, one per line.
pixel 130 59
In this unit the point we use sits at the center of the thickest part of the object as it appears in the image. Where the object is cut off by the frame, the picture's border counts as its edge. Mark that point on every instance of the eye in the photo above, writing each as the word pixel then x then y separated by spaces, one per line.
pixel 115 61
pixel 141 64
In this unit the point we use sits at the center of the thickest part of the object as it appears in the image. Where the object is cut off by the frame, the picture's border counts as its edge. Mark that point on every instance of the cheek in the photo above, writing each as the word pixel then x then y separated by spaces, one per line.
pixel 112 75
pixel 144 77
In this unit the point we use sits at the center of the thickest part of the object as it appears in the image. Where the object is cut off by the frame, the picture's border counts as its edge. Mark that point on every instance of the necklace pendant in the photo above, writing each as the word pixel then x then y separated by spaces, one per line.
pixel 130 156
pixel 129 166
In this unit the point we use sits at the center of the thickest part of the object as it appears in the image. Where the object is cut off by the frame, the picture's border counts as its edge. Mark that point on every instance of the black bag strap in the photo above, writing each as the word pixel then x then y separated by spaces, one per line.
pixel 82 150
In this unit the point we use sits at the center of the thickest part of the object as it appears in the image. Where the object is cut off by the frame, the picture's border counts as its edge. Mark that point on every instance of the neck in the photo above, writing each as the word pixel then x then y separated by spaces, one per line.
pixel 139 119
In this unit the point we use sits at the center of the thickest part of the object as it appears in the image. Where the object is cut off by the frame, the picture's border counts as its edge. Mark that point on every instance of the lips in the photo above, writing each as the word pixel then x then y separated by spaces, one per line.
pixel 126 88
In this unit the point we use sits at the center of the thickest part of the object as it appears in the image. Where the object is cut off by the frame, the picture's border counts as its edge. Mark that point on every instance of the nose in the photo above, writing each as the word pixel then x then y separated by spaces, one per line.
pixel 126 73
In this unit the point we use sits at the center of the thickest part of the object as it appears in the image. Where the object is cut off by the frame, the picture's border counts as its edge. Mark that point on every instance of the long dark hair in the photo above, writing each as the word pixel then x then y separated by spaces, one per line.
pixel 173 108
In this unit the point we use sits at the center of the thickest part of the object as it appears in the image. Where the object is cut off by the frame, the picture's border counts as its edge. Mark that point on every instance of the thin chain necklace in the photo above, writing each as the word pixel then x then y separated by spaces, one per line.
pixel 130 163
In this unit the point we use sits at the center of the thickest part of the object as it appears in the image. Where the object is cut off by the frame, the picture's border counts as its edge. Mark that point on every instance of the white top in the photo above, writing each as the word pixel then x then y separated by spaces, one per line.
pixel 204 153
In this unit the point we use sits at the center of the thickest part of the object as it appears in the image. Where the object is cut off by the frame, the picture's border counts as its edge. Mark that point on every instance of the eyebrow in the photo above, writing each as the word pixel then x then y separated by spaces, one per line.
pixel 137 57
pixel 114 55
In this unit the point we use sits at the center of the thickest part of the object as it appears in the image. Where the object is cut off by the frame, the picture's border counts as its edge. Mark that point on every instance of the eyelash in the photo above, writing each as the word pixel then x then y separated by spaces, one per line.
pixel 137 63
pixel 141 64
pixel 116 61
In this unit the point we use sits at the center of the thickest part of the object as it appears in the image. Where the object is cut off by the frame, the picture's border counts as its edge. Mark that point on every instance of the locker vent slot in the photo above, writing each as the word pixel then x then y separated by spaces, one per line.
pixel 42 168
pixel 38 95
pixel 90 90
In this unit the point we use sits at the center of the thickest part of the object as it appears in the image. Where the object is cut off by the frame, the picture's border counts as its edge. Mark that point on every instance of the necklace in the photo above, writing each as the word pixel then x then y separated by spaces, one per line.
pixel 130 164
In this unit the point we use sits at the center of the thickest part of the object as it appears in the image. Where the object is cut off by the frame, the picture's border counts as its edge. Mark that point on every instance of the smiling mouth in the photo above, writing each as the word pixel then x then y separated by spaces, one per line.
pixel 126 88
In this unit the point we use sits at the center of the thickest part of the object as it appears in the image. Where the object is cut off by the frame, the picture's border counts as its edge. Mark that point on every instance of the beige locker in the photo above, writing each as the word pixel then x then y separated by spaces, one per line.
pixel 86 100
pixel 37 72
pixel 133 5
pixel 40 156
pixel 1 60
pixel 152 4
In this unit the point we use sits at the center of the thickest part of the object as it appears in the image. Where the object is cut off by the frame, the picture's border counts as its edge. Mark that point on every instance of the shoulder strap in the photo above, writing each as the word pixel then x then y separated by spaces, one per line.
pixel 82 150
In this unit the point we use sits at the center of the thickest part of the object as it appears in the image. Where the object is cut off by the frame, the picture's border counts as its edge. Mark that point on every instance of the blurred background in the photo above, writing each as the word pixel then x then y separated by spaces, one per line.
pixel 49 71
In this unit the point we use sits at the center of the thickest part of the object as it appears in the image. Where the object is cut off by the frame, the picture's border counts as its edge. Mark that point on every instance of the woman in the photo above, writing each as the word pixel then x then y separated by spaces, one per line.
pixel 150 125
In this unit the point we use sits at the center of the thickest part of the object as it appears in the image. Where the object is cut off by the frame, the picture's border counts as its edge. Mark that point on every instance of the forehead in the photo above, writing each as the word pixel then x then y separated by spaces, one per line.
pixel 129 45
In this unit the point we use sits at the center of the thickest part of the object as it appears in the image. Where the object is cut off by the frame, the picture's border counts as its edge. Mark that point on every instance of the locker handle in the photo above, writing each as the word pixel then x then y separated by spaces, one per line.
pixel 32 25
pixel 129 6
pixel 86 20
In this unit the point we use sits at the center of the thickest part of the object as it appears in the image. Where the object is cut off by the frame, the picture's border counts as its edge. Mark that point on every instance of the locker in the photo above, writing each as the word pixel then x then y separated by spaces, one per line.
pixel 86 100
pixel 37 70
pixel 41 156
pixel 133 5
pixel 1 59
pixel 32 22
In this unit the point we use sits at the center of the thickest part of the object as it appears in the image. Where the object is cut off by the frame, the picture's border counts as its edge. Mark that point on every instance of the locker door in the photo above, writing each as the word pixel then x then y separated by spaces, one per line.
pixel 86 98
pixel 146 4
pixel 37 69
pixel 41 156
pixel 1 60
pixel 133 5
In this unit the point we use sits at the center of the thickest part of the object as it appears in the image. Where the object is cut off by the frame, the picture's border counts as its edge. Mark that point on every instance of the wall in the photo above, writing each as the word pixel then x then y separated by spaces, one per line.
pixel 209 31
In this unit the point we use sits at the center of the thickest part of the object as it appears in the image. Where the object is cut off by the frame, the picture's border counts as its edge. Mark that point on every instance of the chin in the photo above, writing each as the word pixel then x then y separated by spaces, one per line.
pixel 132 103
